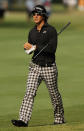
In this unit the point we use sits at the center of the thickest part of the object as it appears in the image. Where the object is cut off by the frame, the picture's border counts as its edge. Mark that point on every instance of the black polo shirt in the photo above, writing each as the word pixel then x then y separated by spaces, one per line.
pixel 47 35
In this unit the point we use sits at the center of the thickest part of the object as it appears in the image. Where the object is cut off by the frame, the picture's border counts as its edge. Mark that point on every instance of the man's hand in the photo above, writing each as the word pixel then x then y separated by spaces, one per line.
pixel 27 46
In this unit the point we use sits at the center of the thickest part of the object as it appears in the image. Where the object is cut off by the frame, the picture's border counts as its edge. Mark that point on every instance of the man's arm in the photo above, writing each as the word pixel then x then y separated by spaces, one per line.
pixel 28 47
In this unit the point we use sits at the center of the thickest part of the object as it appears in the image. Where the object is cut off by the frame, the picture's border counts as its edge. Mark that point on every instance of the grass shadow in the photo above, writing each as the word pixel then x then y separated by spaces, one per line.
pixel 16 24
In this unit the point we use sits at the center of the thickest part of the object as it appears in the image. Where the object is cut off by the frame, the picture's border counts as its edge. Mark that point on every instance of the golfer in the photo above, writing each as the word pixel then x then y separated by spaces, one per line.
pixel 43 67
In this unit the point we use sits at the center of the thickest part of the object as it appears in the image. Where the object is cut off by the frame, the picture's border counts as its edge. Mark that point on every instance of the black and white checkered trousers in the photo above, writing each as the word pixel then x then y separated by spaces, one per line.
pixel 35 77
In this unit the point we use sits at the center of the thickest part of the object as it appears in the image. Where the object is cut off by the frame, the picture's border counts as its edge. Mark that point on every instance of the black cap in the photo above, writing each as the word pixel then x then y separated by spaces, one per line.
pixel 41 10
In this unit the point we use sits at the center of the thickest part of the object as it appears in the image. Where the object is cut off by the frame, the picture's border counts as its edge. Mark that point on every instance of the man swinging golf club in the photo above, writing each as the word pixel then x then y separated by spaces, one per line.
pixel 41 68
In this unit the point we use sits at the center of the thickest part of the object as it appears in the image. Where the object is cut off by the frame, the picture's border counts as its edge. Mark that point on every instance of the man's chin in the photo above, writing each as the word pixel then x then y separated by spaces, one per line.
pixel 37 22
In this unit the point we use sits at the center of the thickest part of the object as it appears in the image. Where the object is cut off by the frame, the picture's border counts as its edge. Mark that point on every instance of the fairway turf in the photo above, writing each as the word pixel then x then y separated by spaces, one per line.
pixel 14 65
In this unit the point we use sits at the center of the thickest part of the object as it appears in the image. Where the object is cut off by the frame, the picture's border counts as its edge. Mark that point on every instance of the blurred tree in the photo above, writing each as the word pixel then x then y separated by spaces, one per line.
pixel 3 7
pixel 57 1
pixel 20 2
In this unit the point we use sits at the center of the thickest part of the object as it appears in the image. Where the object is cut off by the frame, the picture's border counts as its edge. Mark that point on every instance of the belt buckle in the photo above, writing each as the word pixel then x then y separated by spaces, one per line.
pixel 46 65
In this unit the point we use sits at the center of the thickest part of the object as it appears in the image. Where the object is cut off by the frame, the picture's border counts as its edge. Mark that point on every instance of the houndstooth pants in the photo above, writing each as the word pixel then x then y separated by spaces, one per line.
pixel 36 75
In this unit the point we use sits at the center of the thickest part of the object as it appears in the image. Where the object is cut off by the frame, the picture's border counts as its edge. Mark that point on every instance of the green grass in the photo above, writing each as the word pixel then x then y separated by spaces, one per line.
pixel 14 69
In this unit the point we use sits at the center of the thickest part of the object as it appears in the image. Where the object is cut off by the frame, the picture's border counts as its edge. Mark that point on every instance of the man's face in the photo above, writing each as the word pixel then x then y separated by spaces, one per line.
pixel 37 18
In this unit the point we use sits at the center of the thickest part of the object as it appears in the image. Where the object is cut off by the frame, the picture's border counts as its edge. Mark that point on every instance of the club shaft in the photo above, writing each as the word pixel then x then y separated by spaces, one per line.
pixel 64 28
pixel 40 51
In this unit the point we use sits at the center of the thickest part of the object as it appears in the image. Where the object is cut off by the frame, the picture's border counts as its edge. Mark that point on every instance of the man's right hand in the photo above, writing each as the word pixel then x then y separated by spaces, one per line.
pixel 27 46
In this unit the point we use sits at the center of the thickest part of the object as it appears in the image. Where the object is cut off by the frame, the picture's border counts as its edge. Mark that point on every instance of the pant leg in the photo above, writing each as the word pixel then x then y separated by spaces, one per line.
pixel 50 76
pixel 33 82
